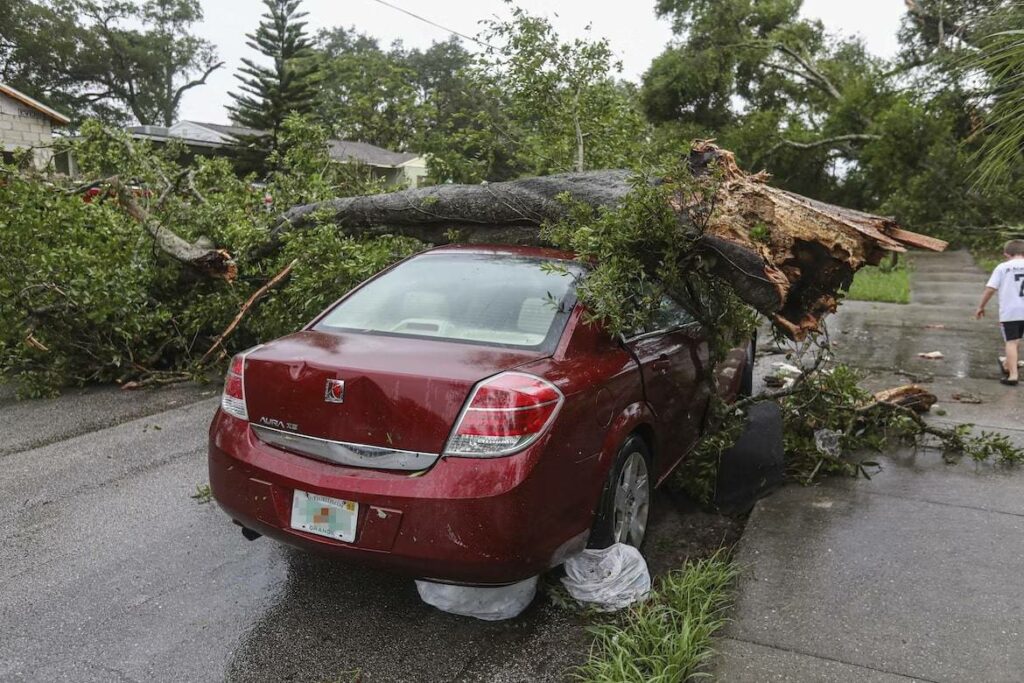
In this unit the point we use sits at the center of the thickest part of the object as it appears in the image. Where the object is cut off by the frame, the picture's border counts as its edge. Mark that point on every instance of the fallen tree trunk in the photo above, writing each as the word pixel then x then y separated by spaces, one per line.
pixel 786 255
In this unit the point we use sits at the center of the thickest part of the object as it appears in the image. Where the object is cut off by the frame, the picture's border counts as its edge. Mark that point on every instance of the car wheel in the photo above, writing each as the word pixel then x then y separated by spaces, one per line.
pixel 747 381
pixel 626 502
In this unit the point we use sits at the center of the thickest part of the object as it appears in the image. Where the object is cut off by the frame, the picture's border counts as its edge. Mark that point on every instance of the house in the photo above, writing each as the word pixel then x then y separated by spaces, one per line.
pixel 26 123
pixel 398 169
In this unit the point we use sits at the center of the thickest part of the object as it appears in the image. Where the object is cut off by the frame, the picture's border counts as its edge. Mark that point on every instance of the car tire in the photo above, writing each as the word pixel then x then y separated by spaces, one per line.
pixel 747 381
pixel 625 507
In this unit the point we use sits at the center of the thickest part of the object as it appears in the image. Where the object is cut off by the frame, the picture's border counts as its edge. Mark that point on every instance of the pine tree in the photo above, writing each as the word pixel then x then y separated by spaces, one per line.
pixel 269 93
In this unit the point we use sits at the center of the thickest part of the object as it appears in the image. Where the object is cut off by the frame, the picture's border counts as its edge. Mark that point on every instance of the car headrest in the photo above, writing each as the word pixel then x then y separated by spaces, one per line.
pixel 535 316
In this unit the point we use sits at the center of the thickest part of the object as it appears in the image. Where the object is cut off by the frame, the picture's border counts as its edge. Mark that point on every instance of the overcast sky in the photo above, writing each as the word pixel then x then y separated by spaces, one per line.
pixel 636 35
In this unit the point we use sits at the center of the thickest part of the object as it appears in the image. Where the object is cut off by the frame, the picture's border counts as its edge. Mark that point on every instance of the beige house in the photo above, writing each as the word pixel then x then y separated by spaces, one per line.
pixel 26 123
pixel 397 169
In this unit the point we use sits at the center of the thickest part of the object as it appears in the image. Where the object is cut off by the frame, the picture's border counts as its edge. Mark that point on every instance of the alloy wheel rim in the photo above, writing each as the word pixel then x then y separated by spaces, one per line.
pixel 632 501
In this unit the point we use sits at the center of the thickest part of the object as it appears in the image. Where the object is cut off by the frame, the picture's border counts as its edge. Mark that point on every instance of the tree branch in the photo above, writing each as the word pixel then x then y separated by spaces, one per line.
pixel 850 137
pixel 213 262
pixel 942 25
pixel 176 99
pixel 249 303
pixel 814 74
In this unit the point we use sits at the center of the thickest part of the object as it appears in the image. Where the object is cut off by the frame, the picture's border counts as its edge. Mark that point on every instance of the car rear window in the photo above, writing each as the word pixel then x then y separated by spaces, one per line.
pixel 492 299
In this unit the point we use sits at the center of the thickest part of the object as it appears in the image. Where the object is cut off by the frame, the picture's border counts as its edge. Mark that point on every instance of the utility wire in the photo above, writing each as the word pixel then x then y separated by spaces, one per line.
pixel 434 24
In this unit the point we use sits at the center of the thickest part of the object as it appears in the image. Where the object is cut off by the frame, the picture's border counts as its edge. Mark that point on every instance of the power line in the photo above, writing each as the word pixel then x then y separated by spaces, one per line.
pixel 434 24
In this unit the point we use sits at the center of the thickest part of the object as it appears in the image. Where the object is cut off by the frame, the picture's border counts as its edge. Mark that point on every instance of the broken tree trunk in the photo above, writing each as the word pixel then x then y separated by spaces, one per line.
pixel 804 253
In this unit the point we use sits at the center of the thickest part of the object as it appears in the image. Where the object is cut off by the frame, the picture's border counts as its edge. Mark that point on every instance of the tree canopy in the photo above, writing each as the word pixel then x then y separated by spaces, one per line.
pixel 112 60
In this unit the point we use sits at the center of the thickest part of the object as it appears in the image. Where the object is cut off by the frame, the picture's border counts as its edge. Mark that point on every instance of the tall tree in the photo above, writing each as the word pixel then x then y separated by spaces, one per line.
pixel 548 105
pixel 148 70
pixel 112 60
pixel 569 110
pixel 368 94
pixel 268 94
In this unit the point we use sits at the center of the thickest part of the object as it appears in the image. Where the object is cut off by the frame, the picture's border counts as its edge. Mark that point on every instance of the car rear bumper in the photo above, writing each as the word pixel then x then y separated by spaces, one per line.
pixel 473 521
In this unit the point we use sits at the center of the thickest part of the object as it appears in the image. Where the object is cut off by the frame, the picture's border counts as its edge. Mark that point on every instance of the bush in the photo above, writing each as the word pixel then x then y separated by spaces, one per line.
pixel 86 295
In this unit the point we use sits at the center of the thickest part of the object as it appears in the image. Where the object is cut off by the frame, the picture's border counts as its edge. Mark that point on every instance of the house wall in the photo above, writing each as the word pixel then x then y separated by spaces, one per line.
pixel 413 175
pixel 22 127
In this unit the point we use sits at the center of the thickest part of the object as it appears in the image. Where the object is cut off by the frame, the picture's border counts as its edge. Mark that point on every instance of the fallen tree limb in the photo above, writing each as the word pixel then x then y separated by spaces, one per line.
pixel 249 303
pixel 786 255
pixel 152 377
pixel 212 262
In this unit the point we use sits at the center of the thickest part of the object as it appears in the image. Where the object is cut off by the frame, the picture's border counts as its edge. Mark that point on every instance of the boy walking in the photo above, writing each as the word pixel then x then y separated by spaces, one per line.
pixel 1008 280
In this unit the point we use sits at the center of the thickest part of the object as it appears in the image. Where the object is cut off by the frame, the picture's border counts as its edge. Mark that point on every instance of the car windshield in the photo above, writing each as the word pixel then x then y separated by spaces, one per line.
pixel 493 299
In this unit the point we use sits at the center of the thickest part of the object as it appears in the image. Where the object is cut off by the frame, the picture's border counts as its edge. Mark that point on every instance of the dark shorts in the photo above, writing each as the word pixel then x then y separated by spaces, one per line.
pixel 1013 330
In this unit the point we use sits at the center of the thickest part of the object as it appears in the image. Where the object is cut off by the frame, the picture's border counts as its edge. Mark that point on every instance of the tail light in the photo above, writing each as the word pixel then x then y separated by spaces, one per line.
pixel 232 401
pixel 504 414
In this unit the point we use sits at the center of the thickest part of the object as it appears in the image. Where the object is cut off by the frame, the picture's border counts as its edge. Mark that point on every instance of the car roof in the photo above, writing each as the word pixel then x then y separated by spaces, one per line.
pixel 502 249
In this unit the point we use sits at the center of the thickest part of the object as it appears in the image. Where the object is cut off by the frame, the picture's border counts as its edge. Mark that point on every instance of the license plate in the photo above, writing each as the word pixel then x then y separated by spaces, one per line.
pixel 324 516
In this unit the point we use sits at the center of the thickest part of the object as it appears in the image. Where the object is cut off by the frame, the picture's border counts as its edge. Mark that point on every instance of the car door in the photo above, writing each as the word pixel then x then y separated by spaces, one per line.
pixel 672 358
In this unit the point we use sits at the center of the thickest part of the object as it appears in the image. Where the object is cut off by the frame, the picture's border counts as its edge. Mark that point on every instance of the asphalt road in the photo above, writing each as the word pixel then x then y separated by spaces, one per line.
pixel 110 570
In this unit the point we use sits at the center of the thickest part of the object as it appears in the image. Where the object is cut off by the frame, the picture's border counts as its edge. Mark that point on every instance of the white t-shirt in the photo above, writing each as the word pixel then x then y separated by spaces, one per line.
pixel 1008 278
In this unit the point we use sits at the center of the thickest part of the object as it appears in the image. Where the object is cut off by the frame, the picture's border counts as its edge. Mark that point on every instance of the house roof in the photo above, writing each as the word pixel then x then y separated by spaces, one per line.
pixel 164 133
pixel 21 97
pixel 233 131
pixel 205 134
pixel 372 155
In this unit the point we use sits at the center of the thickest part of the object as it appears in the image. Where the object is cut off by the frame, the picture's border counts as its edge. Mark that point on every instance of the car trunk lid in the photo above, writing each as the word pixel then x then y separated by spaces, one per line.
pixel 397 394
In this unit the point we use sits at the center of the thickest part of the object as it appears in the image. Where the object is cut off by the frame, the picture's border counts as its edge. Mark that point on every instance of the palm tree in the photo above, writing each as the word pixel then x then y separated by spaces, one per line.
pixel 1002 59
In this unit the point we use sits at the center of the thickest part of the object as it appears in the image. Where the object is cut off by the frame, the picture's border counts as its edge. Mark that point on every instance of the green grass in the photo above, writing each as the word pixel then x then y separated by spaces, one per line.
pixel 881 283
pixel 667 638
pixel 203 494
pixel 988 260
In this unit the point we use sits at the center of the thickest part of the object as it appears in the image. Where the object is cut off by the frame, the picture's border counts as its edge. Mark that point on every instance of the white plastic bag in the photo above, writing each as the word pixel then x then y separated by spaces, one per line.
pixel 490 604
pixel 609 579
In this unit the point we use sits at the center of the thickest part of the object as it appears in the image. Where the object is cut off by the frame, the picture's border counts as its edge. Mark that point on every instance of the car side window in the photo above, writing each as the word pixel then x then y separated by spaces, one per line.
pixel 671 315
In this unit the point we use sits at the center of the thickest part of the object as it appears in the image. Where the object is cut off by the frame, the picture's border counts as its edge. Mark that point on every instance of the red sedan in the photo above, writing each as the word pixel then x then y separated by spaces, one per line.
pixel 456 418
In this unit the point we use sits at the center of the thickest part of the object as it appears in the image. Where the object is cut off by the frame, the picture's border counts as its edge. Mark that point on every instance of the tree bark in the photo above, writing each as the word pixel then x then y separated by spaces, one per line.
pixel 802 253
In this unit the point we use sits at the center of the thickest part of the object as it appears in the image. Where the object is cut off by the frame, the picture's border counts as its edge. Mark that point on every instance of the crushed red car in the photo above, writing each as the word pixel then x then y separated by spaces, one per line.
pixel 456 418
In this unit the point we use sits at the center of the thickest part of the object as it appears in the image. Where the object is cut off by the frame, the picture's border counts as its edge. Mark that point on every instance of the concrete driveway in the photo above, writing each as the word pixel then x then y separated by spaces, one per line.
pixel 110 571
pixel 915 574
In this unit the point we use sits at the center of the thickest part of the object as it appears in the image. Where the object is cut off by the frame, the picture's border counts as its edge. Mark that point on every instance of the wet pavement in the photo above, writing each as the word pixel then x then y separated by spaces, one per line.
pixel 915 574
pixel 111 571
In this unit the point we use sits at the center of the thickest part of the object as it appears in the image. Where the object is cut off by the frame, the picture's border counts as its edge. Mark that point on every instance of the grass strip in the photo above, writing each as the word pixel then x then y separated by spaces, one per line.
pixel 668 637
pixel 885 284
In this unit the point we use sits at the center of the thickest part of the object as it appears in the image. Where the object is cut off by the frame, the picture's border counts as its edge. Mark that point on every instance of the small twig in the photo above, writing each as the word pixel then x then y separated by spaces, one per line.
pixel 35 343
pixel 824 353
pixel 256 296
pixel 90 186
pixel 193 189
pixel 156 378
